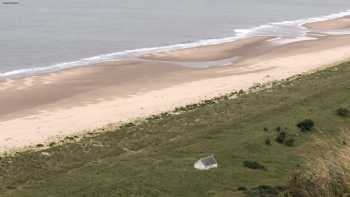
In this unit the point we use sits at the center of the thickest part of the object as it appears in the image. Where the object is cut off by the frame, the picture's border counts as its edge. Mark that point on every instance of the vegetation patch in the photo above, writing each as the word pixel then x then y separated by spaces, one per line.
pixel 306 125
pixel 343 112
pixel 268 141
pixel 281 137
pixel 290 142
pixel 253 165
pixel 266 191
pixel 155 157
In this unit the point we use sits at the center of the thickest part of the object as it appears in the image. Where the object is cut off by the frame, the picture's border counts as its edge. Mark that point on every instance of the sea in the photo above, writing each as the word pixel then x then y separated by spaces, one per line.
pixel 49 35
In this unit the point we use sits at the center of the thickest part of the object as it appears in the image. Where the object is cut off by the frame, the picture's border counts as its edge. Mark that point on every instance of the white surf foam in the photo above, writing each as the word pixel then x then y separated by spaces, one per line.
pixel 285 32
pixel 287 29
pixel 113 57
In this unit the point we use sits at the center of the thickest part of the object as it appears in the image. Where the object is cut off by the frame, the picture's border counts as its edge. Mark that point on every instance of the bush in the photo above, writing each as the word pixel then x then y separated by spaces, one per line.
pixel 39 145
pixel 253 165
pixel 268 141
pixel 290 142
pixel 280 129
pixel 69 138
pixel 281 137
pixel 127 125
pixel 266 191
pixel 306 125
pixel 343 112
pixel 242 189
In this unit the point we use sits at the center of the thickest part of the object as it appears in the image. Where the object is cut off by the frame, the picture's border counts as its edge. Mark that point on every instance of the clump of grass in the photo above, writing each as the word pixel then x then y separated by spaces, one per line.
pixel 69 138
pixel 268 141
pixel 52 144
pixel 165 114
pixel 254 165
pixel 306 125
pixel 39 145
pixel 278 129
pixel 265 191
pixel 10 187
pixel 242 189
pixel 127 125
pixel 343 112
pixel 180 109
pixel 281 137
pixel 240 92
pixel 290 142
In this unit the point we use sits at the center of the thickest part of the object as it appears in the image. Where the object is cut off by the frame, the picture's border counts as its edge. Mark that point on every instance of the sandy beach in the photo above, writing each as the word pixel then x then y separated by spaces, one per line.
pixel 339 23
pixel 43 108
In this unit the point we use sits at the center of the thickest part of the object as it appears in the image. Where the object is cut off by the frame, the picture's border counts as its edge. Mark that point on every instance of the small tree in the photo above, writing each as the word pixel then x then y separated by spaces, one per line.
pixel 306 125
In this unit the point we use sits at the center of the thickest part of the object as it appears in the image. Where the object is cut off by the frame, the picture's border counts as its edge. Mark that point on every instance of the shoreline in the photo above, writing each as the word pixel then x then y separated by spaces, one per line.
pixel 339 18
pixel 95 96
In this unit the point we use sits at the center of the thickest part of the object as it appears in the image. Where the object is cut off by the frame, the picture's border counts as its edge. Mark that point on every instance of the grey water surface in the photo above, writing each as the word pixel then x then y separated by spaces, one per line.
pixel 37 33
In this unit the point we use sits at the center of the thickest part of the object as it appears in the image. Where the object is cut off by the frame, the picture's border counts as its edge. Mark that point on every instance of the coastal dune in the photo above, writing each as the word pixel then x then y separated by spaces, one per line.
pixel 43 108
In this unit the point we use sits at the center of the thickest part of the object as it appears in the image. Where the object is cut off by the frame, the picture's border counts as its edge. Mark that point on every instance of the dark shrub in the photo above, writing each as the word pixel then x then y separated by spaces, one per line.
pixel 242 189
pixel 127 125
pixel 266 191
pixel 268 141
pixel 69 138
pixel 290 142
pixel 253 165
pixel 306 125
pixel 165 114
pixel 343 112
pixel 209 102
pixel 278 129
pixel 11 187
pixel 266 129
pixel 39 145
pixel 281 137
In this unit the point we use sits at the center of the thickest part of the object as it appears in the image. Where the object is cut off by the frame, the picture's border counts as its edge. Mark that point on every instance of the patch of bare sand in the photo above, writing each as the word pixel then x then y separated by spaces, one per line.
pixel 71 101
pixel 339 23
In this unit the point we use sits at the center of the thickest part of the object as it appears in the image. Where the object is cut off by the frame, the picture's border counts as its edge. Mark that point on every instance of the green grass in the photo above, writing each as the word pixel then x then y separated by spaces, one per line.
pixel 155 157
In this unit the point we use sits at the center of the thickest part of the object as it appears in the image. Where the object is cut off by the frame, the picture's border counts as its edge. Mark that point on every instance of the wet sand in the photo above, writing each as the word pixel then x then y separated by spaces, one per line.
pixel 339 23
pixel 41 108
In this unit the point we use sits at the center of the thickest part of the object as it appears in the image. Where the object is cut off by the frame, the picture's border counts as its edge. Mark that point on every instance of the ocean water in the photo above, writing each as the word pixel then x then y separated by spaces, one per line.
pixel 43 35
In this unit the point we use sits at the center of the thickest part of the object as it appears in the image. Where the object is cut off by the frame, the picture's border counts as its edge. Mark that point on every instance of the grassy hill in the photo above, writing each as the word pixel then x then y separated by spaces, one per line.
pixel 156 157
